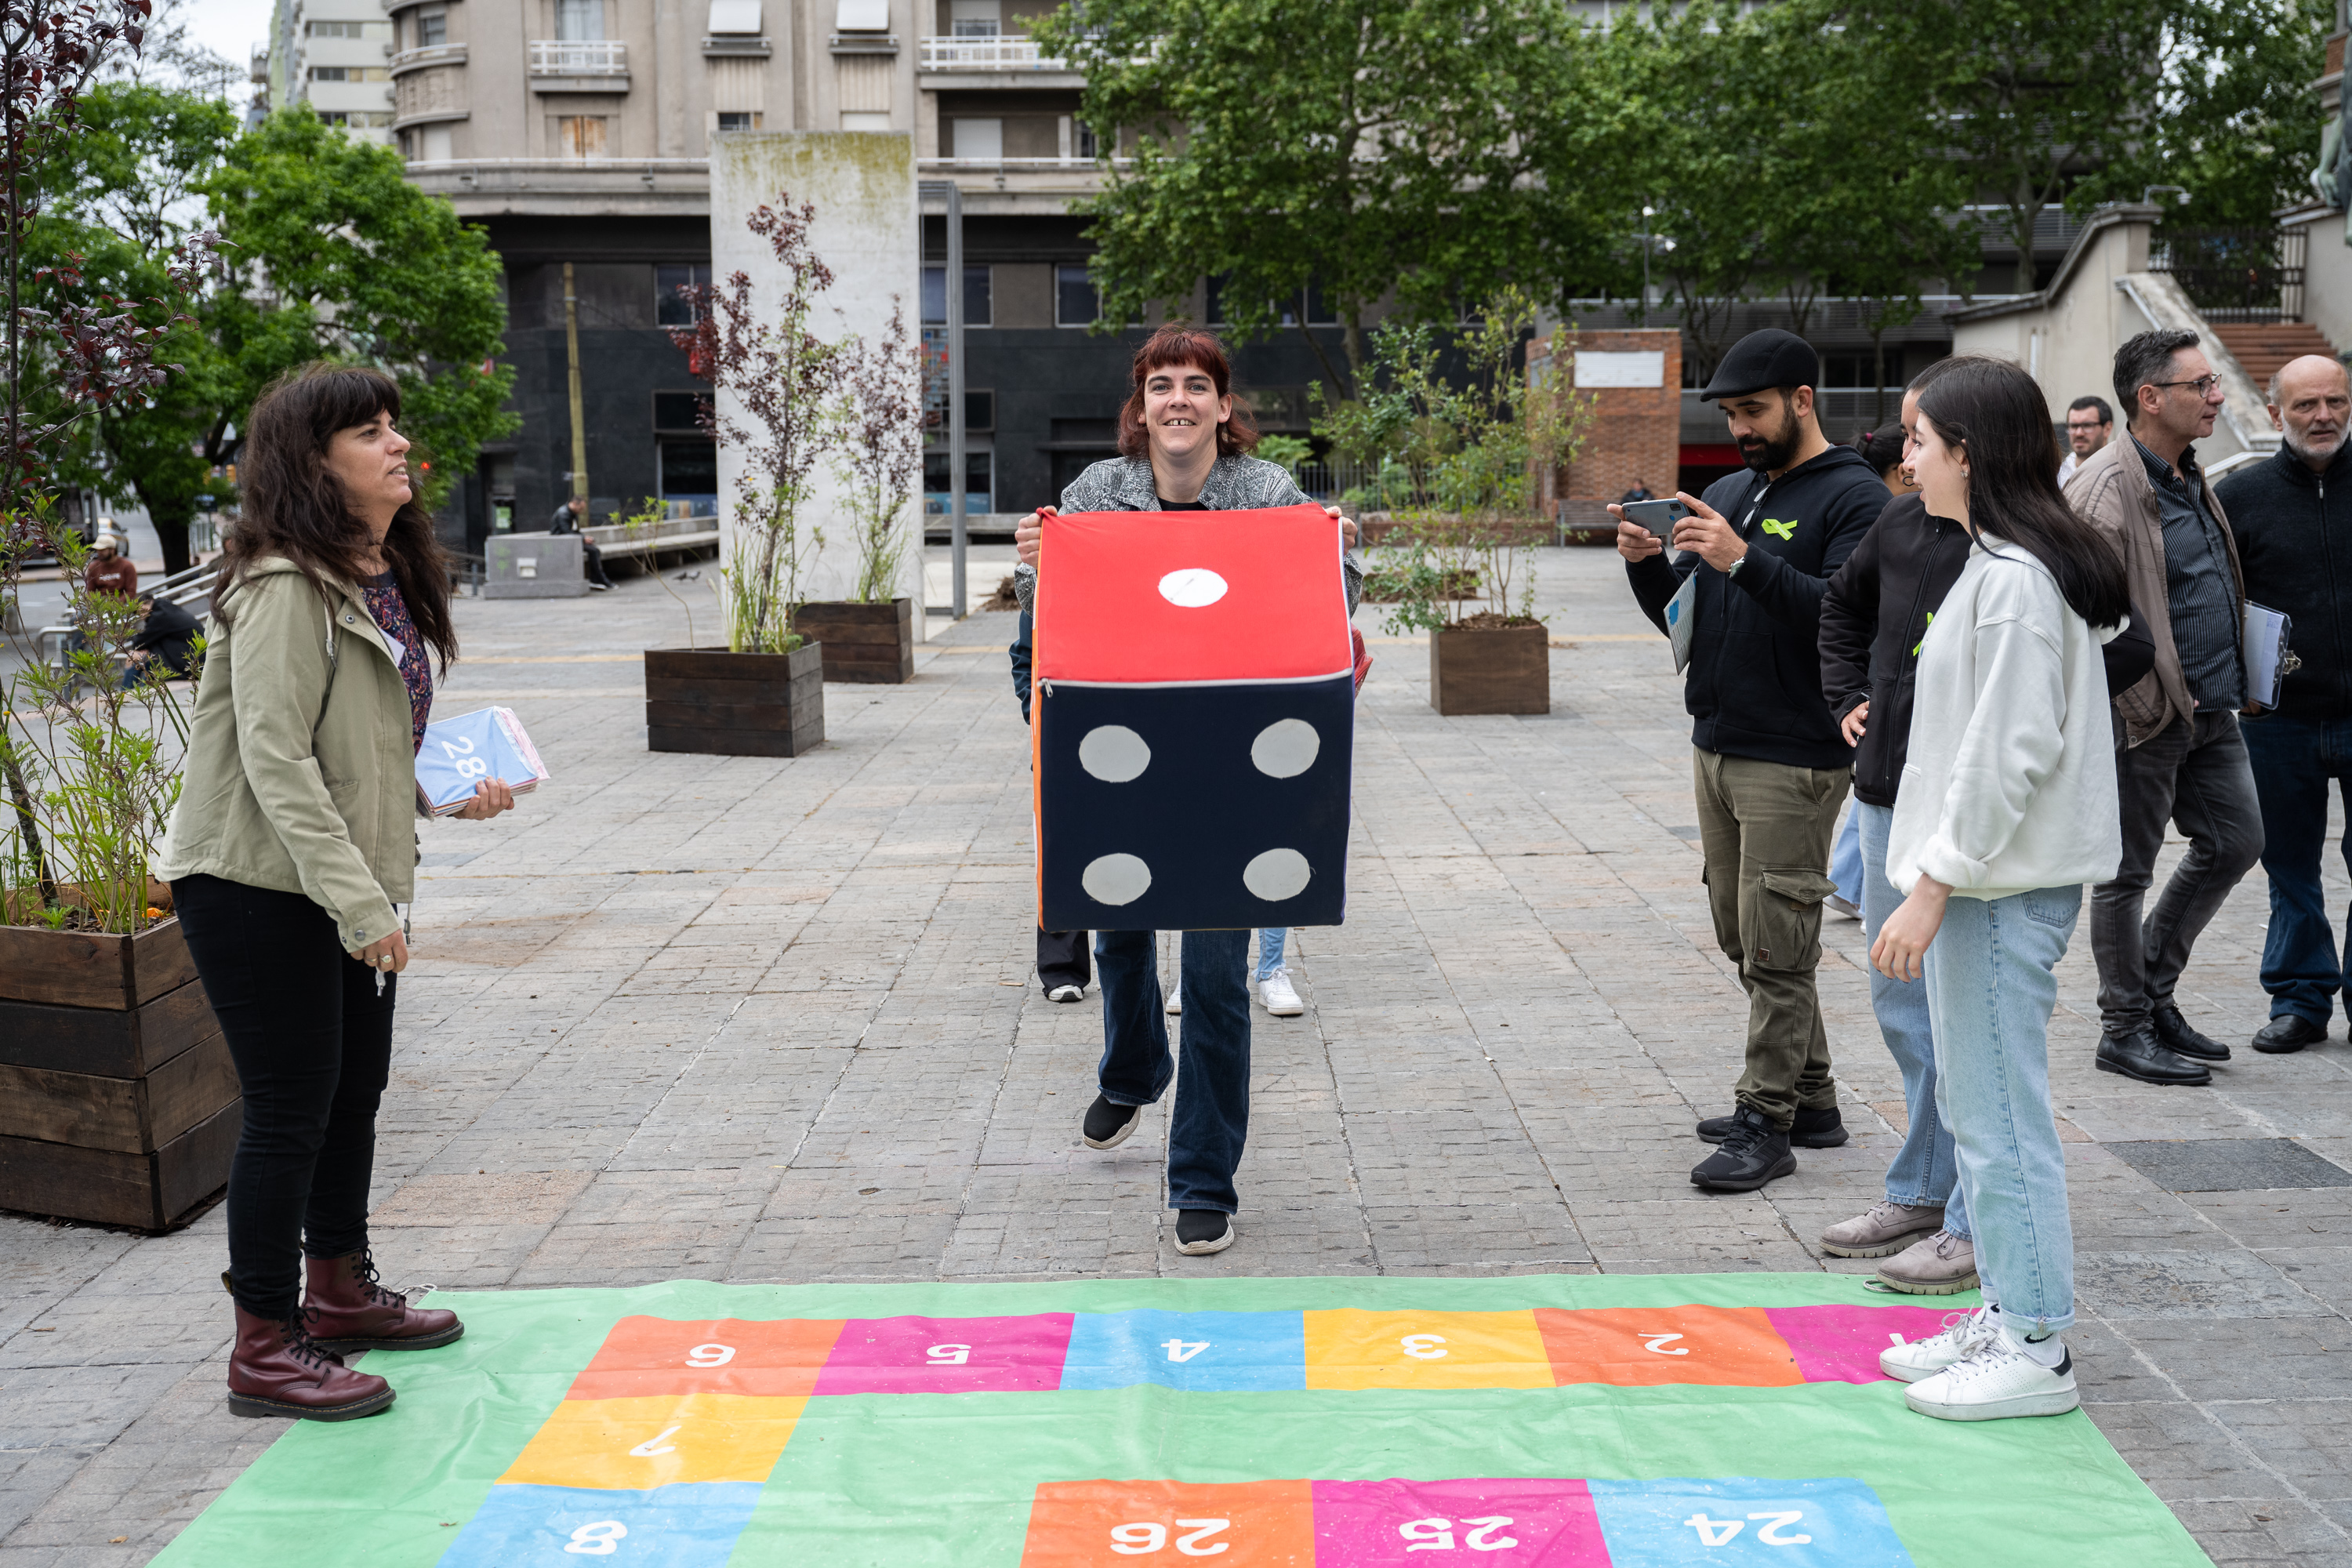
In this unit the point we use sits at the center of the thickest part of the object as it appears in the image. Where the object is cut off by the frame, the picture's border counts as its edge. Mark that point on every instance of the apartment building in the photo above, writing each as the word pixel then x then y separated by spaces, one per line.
pixel 335 55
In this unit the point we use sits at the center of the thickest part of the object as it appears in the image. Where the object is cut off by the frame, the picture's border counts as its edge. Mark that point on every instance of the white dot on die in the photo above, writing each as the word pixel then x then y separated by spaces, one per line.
pixel 1192 587
pixel 1114 753
pixel 1119 878
pixel 1286 748
pixel 1276 875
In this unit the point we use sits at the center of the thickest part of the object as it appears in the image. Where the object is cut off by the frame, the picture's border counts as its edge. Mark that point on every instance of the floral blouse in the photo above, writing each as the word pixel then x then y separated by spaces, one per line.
pixel 391 612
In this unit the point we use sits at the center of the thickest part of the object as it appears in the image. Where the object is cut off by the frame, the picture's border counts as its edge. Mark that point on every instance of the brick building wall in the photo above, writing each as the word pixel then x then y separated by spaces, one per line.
pixel 1633 432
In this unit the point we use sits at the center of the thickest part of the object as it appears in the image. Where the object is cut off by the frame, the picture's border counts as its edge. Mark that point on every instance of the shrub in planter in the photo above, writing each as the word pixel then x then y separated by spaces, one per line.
pixel 870 636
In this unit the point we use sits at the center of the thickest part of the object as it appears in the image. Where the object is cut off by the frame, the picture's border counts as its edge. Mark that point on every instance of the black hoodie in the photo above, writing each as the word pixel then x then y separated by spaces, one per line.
pixel 2295 543
pixel 1753 684
pixel 1877 610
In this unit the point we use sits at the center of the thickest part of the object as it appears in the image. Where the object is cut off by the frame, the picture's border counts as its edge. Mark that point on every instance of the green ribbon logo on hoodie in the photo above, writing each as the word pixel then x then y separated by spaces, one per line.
pixel 1778 530
pixel 1923 634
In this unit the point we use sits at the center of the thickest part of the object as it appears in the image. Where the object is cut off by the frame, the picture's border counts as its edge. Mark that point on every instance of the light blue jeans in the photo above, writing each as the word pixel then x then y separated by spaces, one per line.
pixel 1922 1174
pixel 1269 952
pixel 1847 867
pixel 1989 993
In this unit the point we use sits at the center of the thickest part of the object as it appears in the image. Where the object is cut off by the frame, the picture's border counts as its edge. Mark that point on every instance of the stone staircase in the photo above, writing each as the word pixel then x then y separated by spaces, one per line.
pixel 2262 347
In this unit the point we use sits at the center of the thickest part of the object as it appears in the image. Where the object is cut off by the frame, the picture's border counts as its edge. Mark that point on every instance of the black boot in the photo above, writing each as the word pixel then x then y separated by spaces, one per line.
pixel 2174 1033
pixel 2288 1032
pixel 2137 1055
pixel 1756 1153
pixel 1812 1129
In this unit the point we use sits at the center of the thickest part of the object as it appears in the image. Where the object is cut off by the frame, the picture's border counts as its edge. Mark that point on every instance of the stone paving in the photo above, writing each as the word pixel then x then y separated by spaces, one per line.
pixel 774 1020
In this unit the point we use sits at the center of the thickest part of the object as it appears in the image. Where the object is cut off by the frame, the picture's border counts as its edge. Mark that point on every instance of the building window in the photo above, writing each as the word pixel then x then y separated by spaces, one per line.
pixel 432 29
pixel 680 413
pixel 580 136
pixel 357 119
pixel 380 31
pixel 977 140
pixel 938 499
pixel 671 307
pixel 579 21
pixel 739 119
pixel 351 73
pixel 689 478
pixel 1075 302
pixel 975 19
pixel 1087 147
pixel 978 303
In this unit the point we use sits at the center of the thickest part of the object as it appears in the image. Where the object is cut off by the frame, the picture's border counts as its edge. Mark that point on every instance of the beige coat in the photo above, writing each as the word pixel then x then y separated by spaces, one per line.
pixel 2112 492
pixel 301 768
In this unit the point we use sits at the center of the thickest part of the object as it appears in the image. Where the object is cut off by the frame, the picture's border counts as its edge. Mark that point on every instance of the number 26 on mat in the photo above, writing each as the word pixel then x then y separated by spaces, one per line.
pixel 1142 1536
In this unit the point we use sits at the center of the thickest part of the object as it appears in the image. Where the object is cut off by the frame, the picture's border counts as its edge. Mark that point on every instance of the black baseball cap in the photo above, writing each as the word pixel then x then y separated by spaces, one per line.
pixel 1759 360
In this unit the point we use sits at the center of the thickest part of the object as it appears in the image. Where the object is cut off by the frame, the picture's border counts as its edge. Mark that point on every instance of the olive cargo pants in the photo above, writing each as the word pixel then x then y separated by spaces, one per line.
pixel 1766 829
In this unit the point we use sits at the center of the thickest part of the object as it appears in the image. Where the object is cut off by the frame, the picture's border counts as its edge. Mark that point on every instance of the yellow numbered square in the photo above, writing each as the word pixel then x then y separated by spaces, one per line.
pixel 627 1445
pixel 1349 1349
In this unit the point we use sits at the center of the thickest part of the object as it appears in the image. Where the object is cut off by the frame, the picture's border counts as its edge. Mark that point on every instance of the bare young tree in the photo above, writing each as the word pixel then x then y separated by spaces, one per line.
pixel 785 382
pixel 881 454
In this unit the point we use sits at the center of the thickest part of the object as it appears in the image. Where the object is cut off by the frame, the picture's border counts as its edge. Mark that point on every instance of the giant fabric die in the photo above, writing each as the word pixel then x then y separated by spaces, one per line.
pixel 1194 720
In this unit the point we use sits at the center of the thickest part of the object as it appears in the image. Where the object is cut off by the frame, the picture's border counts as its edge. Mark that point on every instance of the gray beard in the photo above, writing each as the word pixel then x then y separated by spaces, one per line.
pixel 2309 454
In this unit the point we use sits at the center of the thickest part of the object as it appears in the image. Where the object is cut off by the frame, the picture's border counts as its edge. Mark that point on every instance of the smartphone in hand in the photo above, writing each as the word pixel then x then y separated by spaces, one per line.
pixel 1658 517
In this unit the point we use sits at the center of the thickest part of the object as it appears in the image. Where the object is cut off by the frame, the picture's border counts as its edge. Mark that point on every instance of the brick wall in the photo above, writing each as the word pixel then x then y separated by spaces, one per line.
pixel 1633 432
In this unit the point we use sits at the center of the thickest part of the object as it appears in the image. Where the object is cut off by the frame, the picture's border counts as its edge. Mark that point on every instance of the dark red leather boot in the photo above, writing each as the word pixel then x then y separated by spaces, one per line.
pixel 352 1311
pixel 278 1369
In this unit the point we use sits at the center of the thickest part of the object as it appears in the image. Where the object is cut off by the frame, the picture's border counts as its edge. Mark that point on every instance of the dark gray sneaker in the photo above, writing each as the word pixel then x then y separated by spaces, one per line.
pixel 1204 1230
pixel 1756 1153
pixel 1107 1125
pixel 1811 1130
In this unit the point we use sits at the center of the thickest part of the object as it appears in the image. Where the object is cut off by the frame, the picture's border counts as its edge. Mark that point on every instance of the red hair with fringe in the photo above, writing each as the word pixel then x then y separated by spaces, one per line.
pixel 1176 344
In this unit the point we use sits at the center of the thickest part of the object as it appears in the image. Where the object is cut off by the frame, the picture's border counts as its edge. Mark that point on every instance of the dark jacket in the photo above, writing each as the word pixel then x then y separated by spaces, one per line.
pixel 1021 659
pixel 2295 544
pixel 168 633
pixel 562 522
pixel 1873 616
pixel 1753 684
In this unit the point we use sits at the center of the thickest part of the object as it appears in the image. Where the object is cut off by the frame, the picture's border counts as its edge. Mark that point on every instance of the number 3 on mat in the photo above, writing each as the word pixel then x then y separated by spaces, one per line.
pixel 1141 1537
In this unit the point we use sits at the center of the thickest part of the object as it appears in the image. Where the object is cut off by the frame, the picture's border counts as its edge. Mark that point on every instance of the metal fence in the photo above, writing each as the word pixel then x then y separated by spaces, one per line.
pixel 2234 275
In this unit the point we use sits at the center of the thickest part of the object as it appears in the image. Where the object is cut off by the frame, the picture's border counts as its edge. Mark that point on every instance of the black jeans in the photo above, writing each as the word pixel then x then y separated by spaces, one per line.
pixel 2195 776
pixel 592 562
pixel 1062 959
pixel 1212 1121
pixel 311 1037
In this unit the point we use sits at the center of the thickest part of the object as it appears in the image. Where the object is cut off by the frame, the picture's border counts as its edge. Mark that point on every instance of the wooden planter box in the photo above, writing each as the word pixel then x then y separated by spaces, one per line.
pixel 1503 669
pixel 118 1099
pixel 735 704
pixel 869 643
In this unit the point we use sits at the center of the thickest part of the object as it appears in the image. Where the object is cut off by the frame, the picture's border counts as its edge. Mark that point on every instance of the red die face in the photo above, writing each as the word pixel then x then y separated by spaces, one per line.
pixel 1196 598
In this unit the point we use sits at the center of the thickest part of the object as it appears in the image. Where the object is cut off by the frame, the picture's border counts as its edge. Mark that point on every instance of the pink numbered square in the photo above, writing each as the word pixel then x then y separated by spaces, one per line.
pixel 1388 1524
pixel 948 1356
pixel 1841 1344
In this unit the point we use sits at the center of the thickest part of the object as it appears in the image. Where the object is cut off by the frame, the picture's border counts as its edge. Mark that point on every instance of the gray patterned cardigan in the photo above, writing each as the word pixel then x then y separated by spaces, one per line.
pixel 1235 484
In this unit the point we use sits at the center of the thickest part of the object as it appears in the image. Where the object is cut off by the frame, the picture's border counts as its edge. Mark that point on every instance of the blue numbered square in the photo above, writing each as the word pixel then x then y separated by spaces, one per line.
pixel 1201 1352
pixel 692 1524
pixel 1743 1524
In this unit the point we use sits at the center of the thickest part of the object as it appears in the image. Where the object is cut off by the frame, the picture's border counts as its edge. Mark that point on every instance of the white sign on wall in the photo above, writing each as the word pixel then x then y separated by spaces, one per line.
pixel 1643 367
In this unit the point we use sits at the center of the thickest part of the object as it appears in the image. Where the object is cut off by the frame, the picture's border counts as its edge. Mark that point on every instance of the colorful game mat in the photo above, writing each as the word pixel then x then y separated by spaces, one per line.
pixel 1530 1422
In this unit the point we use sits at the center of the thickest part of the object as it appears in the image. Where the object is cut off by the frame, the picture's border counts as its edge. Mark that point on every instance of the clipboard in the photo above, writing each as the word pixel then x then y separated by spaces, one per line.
pixel 2269 661
pixel 1678 621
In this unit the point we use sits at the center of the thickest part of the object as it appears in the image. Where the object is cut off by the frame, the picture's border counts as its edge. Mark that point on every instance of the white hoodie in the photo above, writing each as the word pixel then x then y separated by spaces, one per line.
pixel 2010 782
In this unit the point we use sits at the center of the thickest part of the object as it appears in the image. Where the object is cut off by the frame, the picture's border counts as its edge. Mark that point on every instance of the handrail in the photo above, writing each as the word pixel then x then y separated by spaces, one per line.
pixel 579 56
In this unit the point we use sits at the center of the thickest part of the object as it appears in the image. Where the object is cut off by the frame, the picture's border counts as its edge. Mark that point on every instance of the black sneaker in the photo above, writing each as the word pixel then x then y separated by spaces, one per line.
pixel 1106 1125
pixel 1756 1153
pixel 2288 1033
pixel 1811 1130
pixel 2175 1034
pixel 1204 1230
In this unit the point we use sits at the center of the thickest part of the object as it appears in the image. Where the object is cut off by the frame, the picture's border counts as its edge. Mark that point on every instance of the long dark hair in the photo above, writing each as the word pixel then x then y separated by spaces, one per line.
pixel 295 507
pixel 1172 347
pixel 1882 448
pixel 1997 415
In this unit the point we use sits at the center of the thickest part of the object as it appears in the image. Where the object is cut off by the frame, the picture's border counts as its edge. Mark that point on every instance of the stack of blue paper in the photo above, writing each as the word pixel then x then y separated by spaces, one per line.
pixel 458 753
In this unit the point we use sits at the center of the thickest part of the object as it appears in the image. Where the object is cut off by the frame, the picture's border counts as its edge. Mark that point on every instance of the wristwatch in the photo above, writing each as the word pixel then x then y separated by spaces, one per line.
pixel 1733 570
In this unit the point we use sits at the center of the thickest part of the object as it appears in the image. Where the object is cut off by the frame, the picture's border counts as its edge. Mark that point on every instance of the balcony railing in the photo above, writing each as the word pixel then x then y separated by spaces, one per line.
pixel 1021 165
pixel 2234 275
pixel 564 56
pixel 431 55
pixel 1008 52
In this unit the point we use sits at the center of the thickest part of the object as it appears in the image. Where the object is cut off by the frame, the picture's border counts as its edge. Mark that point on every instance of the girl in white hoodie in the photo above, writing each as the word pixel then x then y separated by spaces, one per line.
pixel 2007 807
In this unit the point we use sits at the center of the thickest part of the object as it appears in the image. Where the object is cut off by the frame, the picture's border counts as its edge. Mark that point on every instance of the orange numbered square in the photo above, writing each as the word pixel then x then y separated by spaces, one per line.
pixel 628 1445
pixel 646 1356
pixel 1644 1346
pixel 1349 1349
pixel 1093 1524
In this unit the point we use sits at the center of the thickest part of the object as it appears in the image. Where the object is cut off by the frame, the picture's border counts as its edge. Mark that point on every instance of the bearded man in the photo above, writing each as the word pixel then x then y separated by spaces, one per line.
pixel 1768 767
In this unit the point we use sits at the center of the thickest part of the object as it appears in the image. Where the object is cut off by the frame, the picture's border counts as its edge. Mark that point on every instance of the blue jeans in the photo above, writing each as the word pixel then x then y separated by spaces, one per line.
pixel 1989 993
pixel 2293 758
pixel 1269 952
pixel 1923 1174
pixel 1211 1119
pixel 1847 863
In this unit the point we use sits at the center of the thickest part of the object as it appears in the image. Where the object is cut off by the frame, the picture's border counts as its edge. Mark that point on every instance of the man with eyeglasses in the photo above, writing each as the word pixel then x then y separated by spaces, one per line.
pixel 2179 756
pixel 2090 425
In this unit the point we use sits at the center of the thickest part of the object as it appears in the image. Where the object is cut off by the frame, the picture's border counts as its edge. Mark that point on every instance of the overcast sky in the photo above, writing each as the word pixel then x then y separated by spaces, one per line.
pixel 231 28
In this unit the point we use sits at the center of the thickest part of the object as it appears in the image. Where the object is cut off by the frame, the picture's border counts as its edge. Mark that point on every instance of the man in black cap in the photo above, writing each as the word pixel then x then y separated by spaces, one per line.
pixel 1769 769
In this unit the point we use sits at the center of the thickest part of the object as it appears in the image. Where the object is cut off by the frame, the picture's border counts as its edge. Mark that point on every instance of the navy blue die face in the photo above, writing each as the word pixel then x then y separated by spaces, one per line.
pixel 1194 807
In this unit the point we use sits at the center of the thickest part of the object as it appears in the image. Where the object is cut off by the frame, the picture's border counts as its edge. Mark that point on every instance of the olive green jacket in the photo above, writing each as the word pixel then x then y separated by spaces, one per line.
pixel 301 768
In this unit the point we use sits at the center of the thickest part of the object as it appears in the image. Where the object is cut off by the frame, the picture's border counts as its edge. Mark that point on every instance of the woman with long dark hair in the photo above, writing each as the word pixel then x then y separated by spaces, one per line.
pixel 2007 807
pixel 294 836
